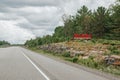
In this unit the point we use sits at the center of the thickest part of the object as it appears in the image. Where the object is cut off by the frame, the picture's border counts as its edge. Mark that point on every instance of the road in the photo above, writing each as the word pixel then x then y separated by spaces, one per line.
pixel 17 63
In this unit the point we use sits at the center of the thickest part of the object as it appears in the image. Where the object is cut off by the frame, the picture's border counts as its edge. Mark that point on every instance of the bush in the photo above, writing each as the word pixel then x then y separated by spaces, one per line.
pixel 114 50
pixel 89 62
pixel 111 48
pixel 117 52
pixel 106 42
pixel 93 40
pixel 67 54
pixel 95 65
pixel 75 59
pixel 91 57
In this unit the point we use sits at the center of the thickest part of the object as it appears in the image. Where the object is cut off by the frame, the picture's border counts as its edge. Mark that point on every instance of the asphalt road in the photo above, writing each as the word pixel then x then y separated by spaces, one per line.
pixel 17 63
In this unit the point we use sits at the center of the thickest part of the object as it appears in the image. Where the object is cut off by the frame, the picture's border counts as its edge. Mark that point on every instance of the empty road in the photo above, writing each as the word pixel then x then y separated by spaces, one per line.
pixel 17 63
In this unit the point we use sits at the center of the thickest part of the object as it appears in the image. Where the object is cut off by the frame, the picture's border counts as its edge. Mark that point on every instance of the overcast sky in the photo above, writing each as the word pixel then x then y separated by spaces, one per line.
pixel 21 20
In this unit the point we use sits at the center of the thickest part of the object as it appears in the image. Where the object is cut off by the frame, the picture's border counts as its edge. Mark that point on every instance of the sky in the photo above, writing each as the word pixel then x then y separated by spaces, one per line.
pixel 21 20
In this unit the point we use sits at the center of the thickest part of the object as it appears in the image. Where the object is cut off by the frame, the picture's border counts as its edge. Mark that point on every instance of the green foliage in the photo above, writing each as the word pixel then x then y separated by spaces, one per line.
pixel 114 50
pixel 111 48
pixel 117 52
pixel 84 19
pixel 100 20
pixel 59 32
pixel 66 54
pixel 89 62
pixel 31 43
pixel 4 43
pixel 75 59
pixel 110 42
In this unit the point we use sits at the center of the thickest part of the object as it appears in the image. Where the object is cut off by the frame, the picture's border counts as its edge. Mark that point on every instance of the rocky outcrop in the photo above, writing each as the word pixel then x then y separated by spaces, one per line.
pixel 75 48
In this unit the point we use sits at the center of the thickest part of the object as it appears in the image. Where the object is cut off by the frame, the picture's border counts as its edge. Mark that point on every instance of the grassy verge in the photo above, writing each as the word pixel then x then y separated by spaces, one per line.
pixel 115 70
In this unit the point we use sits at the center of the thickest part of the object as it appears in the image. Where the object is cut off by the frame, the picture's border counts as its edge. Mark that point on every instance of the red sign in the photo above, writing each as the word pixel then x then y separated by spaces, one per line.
pixel 82 36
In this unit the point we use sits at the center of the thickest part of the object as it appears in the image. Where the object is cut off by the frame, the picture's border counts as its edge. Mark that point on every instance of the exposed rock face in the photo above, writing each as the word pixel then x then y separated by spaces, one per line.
pixel 75 48
pixel 56 48
pixel 83 50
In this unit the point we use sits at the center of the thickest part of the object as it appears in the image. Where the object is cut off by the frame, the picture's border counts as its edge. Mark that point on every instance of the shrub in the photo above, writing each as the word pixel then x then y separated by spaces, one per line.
pixel 67 54
pixel 114 50
pixel 111 48
pixel 106 42
pixel 75 59
pixel 93 40
pixel 91 57
pixel 117 52
pixel 89 62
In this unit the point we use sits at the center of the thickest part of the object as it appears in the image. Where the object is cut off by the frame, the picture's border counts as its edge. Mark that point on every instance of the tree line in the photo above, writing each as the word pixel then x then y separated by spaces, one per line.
pixel 101 23
pixel 4 43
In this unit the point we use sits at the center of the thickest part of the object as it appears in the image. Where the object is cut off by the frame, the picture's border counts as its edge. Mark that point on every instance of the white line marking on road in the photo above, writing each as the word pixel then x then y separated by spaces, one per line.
pixel 35 66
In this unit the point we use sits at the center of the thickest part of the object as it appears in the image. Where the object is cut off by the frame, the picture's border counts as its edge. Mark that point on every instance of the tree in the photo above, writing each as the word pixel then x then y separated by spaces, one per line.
pixel 31 43
pixel 68 26
pixel 100 21
pixel 116 13
pixel 83 19
pixel 39 41
pixel 59 31
pixel 59 34
pixel 115 28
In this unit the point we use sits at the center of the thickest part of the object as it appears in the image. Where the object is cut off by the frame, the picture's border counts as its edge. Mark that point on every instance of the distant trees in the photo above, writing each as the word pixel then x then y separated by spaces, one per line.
pixel 101 23
pixel 4 43
pixel 31 43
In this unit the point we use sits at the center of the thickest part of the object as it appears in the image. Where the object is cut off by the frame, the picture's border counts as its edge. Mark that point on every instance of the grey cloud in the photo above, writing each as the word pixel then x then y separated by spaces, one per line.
pixel 19 3
pixel 42 32
pixel 45 16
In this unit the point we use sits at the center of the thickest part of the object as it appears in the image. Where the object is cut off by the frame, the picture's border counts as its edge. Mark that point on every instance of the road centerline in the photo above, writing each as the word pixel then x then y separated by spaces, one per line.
pixel 40 71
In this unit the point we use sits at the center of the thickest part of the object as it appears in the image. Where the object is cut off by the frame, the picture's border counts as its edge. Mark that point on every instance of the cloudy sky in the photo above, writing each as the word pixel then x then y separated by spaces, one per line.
pixel 21 20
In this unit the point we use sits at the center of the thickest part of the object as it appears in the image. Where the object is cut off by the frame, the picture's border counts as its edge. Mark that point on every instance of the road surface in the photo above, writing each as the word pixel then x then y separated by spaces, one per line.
pixel 17 63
